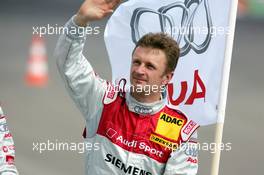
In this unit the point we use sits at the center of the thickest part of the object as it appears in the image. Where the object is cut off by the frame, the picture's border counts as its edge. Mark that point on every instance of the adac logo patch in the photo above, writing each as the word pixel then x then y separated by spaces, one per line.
pixel 169 126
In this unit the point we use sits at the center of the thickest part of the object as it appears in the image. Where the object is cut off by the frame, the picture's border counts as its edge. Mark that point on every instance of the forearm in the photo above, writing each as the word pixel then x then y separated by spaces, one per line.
pixel 85 88
pixel 71 63
pixel 81 83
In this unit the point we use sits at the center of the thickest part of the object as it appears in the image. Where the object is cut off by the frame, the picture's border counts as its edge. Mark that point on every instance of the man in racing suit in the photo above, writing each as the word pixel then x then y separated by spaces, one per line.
pixel 138 134
pixel 7 151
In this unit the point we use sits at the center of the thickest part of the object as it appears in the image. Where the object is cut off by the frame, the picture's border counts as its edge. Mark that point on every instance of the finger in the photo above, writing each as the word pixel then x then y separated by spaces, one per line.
pixel 114 3
pixel 109 11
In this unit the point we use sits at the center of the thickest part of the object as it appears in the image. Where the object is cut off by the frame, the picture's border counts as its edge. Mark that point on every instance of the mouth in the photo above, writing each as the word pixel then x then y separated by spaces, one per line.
pixel 139 80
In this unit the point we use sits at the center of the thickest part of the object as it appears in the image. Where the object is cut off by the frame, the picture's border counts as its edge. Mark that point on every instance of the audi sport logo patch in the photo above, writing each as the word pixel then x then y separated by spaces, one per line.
pixel 169 126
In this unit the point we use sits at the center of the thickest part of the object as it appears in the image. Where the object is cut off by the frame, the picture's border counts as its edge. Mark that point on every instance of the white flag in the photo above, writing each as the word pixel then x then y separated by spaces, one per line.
pixel 199 26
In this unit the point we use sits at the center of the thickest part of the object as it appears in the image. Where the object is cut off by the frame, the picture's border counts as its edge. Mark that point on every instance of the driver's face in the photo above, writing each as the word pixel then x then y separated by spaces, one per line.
pixel 148 67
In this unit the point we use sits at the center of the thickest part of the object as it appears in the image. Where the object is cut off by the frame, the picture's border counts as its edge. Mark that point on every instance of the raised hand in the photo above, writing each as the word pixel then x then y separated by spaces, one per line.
pixel 92 10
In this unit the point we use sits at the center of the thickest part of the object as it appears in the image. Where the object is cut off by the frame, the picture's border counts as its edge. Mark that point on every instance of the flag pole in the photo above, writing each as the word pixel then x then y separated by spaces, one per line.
pixel 224 87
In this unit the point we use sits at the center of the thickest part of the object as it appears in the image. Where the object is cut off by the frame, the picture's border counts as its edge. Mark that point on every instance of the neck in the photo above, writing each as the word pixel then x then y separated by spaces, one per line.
pixel 146 98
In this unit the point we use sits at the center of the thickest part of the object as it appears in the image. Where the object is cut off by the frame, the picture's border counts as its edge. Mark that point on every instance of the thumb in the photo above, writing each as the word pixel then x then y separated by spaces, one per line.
pixel 110 11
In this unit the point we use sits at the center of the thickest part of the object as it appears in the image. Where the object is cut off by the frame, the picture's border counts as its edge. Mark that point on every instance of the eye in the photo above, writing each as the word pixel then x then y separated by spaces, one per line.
pixel 151 66
pixel 136 62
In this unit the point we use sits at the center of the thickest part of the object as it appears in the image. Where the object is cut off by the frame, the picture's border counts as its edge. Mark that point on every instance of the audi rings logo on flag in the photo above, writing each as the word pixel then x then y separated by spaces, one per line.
pixel 184 37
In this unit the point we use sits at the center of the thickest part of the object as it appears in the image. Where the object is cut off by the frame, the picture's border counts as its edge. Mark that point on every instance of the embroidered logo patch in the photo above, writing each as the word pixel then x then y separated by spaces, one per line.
pixel 163 142
pixel 110 92
pixel 189 127
pixel 169 126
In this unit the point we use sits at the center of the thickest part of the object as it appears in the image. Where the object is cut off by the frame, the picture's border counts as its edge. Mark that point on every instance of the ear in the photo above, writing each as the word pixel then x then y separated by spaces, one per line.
pixel 167 78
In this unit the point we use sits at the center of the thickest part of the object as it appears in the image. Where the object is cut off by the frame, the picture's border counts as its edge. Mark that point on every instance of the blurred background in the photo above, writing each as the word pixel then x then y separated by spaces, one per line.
pixel 39 108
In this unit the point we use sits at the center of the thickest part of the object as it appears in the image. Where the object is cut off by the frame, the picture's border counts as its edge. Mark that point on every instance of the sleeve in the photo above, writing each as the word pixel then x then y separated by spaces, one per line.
pixel 84 86
pixel 184 160
pixel 7 151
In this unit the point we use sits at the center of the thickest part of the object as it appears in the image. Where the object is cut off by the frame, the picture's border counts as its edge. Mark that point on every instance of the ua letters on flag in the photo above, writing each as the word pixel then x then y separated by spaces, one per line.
pixel 199 26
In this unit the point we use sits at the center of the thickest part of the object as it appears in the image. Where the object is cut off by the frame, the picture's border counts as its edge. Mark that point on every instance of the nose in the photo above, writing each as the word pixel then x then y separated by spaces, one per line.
pixel 140 69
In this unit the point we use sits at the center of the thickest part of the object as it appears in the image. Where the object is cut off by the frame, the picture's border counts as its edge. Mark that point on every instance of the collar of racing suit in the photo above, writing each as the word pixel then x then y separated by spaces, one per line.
pixel 145 108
